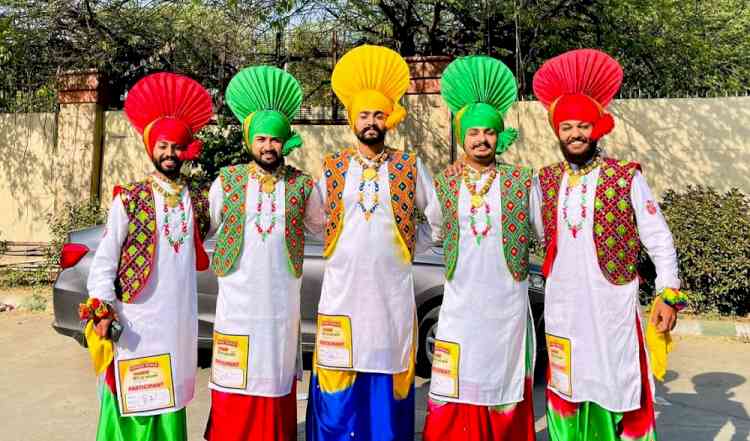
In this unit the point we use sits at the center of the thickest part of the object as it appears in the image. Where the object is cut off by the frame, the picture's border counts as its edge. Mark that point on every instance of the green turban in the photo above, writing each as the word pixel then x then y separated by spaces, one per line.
pixel 479 90
pixel 265 99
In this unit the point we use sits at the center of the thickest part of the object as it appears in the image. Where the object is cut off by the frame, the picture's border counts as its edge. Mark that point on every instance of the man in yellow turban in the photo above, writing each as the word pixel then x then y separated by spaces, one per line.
pixel 363 370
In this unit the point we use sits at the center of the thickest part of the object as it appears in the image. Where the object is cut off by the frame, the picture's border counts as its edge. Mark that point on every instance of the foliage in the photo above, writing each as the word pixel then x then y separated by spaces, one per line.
pixel 222 146
pixel 712 235
pixel 35 303
pixel 667 47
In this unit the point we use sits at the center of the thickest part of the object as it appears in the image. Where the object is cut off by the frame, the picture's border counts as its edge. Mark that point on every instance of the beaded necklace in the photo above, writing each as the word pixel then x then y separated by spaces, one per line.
pixel 369 180
pixel 477 201
pixel 575 175
pixel 172 202
pixel 266 189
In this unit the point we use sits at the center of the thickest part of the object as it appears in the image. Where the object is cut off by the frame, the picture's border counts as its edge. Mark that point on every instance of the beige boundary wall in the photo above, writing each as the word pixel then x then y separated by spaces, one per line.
pixel 678 141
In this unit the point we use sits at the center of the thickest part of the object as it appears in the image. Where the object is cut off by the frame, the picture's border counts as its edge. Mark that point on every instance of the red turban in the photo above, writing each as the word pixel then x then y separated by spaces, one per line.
pixel 578 85
pixel 169 107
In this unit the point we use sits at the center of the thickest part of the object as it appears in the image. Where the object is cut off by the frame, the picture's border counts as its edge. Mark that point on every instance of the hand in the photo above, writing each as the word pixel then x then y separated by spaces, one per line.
pixel 664 317
pixel 455 169
pixel 102 327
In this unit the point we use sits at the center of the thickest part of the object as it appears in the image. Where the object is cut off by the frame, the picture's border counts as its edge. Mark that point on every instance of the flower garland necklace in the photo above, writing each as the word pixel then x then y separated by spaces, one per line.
pixel 266 186
pixel 574 228
pixel 370 177
pixel 172 201
pixel 477 201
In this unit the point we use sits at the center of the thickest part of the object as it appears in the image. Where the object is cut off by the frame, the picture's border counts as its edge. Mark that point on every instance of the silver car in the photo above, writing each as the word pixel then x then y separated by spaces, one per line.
pixel 70 289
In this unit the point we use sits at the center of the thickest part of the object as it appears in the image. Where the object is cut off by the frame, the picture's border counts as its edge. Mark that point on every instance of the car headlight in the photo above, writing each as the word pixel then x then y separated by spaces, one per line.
pixel 536 281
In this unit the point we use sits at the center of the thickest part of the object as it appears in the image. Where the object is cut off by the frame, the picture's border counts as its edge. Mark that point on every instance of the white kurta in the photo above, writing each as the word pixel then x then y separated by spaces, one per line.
pixel 260 299
pixel 367 280
pixel 484 310
pixel 599 318
pixel 163 319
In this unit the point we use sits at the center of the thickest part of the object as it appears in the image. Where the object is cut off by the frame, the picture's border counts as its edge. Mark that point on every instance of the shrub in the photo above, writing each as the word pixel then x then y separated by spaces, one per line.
pixel 222 146
pixel 712 235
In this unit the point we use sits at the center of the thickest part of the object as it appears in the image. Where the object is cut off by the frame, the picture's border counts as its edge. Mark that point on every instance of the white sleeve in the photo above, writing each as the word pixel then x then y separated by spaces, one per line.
pixel 535 210
pixel 315 218
pixel 103 271
pixel 215 206
pixel 427 201
pixel 654 234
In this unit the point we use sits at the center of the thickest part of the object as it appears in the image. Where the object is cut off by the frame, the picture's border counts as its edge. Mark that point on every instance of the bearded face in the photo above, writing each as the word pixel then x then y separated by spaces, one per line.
pixel 166 158
pixel 370 127
pixel 266 151
pixel 575 141
pixel 480 144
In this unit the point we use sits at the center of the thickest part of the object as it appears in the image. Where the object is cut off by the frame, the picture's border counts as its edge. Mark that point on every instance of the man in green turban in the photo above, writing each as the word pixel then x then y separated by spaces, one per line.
pixel 481 388
pixel 259 212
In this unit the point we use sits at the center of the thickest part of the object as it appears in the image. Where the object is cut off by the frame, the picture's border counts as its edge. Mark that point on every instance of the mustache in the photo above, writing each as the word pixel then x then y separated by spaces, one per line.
pixel 370 127
pixel 577 138
pixel 168 158
pixel 480 144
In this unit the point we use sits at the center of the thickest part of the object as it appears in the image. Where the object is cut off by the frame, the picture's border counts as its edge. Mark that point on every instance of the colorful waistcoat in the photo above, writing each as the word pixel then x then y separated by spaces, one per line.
pixel 402 177
pixel 615 231
pixel 234 181
pixel 137 253
pixel 515 183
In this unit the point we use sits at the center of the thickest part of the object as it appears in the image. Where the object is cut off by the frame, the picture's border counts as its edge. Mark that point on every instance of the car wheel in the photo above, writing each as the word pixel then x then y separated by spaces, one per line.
pixel 428 319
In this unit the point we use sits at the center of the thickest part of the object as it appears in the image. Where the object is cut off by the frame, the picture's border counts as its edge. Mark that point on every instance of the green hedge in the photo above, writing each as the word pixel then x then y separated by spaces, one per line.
pixel 712 235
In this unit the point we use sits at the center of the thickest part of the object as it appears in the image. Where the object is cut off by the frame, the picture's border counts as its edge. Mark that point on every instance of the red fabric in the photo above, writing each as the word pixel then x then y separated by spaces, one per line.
pixel 550 255
pixel 638 422
pixel 578 85
pixel 109 378
pixel 201 257
pixel 581 108
pixel 578 72
pixel 166 129
pixel 576 107
pixel 168 106
pixel 236 417
pixel 467 422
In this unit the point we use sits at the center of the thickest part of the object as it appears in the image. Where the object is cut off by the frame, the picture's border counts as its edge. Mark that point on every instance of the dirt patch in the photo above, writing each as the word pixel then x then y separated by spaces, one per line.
pixel 28 299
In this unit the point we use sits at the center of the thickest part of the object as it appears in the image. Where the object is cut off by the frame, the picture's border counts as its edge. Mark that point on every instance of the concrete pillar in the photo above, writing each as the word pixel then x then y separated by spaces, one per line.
pixel 78 157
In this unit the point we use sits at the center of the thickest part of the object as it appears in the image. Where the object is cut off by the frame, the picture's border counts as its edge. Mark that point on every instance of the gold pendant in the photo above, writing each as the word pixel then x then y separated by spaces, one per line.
pixel 173 200
pixel 369 174
pixel 573 180
pixel 476 201
pixel 268 185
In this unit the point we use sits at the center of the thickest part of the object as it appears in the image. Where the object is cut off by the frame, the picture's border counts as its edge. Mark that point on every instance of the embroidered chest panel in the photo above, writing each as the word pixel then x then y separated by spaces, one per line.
pixel 229 243
pixel 402 179
pixel 615 231
pixel 515 185
pixel 137 253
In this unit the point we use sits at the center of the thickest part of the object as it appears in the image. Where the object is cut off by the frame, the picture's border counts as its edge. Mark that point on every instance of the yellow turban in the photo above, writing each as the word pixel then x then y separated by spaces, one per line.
pixel 372 78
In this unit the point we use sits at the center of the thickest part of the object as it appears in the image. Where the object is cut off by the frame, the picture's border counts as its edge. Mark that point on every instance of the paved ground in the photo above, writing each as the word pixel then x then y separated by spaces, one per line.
pixel 48 389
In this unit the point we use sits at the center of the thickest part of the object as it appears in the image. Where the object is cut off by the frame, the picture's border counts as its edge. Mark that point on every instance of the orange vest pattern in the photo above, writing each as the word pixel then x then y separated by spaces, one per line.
pixel 402 177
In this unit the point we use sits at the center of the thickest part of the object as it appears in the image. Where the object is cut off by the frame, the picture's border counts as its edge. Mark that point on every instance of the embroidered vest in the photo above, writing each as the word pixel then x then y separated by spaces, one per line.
pixel 615 231
pixel 234 180
pixel 515 183
pixel 137 253
pixel 402 178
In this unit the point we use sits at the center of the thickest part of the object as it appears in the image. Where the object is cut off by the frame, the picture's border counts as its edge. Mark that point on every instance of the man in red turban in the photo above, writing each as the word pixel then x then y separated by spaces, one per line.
pixel 596 212
pixel 144 269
